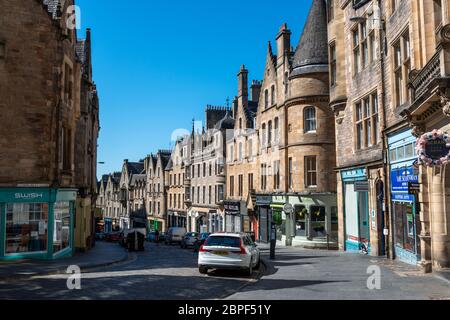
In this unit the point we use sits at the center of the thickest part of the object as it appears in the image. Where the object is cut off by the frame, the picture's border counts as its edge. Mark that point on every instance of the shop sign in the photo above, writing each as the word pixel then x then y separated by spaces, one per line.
pixel 232 207
pixel 433 148
pixel 401 178
pixel 28 196
pixel 400 197
pixel 361 186
pixel 413 188
pixel 354 174
pixel 263 200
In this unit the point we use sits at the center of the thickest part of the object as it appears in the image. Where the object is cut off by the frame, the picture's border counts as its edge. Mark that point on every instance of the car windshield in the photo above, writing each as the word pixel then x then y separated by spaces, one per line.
pixel 223 241
pixel 192 234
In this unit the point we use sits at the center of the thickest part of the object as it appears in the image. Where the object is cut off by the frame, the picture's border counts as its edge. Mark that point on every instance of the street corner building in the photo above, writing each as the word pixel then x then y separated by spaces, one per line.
pixel 389 92
pixel 284 142
pixel 49 127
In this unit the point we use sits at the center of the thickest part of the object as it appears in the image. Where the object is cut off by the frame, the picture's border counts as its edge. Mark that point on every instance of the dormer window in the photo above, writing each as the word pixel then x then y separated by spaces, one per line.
pixel 266 99
pixel 273 94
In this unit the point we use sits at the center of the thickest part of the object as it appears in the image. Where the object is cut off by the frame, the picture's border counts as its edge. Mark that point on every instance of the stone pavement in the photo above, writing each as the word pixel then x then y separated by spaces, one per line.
pixel 103 254
pixel 301 274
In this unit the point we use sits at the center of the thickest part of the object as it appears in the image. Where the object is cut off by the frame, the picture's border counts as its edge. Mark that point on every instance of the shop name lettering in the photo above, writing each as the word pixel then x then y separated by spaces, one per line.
pixel 28 195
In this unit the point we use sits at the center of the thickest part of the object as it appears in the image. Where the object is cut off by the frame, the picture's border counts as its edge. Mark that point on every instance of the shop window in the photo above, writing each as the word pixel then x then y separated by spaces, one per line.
pixel 300 220
pixel 318 218
pixel 404 226
pixel 61 233
pixel 26 227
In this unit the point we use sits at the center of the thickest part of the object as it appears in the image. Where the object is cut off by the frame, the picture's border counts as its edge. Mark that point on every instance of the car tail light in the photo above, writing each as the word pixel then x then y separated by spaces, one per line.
pixel 243 251
pixel 202 249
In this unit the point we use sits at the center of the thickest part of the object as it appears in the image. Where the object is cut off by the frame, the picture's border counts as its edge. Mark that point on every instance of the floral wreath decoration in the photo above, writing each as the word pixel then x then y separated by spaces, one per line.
pixel 421 148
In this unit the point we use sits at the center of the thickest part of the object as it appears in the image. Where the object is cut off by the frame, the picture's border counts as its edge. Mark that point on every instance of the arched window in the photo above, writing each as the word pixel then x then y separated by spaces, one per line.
pixel 269 133
pixel 276 130
pixel 310 123
pixel 266 98
pixel 273 95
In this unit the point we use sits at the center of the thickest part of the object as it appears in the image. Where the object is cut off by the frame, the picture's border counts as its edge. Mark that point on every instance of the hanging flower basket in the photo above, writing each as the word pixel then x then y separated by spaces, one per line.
pixel 438 158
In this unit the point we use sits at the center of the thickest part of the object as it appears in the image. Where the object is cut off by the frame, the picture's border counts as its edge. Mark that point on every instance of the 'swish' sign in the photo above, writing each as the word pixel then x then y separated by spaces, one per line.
pixel 433 148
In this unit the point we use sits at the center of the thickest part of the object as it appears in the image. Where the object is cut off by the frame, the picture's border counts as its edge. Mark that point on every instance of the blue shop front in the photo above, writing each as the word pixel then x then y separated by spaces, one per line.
pixel 356 209
pixel 36 223
pixel 404 207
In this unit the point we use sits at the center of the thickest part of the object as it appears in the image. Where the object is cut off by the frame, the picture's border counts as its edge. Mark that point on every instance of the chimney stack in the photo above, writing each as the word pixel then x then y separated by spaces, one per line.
pixel 283 43
pixel 255 90
pixel 243 86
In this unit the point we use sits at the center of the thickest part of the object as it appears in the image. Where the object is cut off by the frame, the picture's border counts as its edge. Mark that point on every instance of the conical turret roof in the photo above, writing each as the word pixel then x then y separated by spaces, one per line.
pixel 311 55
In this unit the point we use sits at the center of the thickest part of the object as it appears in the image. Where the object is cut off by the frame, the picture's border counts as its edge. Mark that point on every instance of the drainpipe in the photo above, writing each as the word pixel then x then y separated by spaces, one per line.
pixel 387 217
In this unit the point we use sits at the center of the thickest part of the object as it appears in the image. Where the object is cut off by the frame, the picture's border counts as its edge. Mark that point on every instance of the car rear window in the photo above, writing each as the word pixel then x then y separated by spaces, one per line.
pixel 223 241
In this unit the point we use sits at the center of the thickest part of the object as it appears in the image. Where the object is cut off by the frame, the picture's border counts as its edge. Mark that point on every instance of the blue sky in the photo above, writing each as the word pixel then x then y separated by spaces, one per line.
pixel 157 64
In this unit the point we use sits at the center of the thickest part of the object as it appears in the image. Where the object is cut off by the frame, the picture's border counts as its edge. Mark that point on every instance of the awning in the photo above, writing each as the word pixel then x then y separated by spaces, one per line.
pixel 277 206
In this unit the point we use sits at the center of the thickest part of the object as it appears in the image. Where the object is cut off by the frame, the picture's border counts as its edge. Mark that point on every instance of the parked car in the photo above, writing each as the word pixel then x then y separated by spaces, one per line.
pixel 228 251
pixel 151 237
pixel 113 236
pixel 201 240
pixel 175 235
pixel 189 239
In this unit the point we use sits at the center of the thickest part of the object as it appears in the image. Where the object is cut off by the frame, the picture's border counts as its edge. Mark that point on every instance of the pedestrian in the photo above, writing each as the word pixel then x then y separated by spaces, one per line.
pixel 157 236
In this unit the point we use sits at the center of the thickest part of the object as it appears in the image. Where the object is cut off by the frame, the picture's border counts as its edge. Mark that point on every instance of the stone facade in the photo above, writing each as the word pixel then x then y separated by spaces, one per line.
pixel 208 171
pixel 50 116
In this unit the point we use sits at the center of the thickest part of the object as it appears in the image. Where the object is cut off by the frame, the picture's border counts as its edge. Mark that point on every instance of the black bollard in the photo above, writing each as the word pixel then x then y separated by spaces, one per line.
pixel 273 240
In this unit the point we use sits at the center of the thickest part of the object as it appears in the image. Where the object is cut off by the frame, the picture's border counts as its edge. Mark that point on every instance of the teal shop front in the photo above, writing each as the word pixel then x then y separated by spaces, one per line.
pixel 356 210
pixel 36 223
pixel 404 206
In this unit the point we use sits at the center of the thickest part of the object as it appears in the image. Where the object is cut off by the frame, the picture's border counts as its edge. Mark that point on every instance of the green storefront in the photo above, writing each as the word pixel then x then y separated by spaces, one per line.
pixel 36 223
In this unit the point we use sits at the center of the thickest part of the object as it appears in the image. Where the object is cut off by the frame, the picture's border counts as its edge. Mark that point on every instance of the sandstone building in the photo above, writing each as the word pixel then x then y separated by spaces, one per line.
pixel 48 103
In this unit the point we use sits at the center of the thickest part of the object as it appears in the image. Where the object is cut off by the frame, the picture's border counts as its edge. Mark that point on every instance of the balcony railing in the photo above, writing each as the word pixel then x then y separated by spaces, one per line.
pixel 421 82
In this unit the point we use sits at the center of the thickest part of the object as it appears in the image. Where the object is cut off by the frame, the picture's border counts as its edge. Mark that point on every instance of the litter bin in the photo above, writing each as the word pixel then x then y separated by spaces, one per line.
pixel 135 241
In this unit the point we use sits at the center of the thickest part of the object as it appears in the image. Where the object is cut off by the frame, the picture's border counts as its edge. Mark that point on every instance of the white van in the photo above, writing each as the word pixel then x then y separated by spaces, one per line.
pixel 175 235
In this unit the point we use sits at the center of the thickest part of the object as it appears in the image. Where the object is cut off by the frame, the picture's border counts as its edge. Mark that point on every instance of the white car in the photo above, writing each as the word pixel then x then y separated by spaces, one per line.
pixel 228 251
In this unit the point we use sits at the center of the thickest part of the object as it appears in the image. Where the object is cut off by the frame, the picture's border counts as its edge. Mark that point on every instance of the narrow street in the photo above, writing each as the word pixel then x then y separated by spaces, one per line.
pixel 160 273
pixel 168 272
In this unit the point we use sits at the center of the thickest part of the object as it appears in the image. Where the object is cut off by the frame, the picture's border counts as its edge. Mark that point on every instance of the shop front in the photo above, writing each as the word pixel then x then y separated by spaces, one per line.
pixel 404 208
pixel 216 221
pixel 176 219
pixel 36 223
pixel 155 224
pixel 313 222
pixel 356 210
pixel 234 216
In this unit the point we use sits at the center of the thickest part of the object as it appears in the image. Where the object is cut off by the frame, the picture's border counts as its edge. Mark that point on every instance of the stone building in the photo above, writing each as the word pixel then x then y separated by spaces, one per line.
pixel 87 131
pixel 294 145
pixel 207 172
pixel 113 208
pixel 100 204
pixel 157 186
pixel 241 165
pixel 131 171
pixel 40 101
pixel 419 52
pixel 356 96
pixel 175 175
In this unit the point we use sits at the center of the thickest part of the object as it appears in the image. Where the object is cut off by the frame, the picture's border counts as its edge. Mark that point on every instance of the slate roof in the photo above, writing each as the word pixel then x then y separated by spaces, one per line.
pixel 311 55
pixel 135 168
pixel 138 178
pixel 227 122
pixel 166 156
pixel 250 112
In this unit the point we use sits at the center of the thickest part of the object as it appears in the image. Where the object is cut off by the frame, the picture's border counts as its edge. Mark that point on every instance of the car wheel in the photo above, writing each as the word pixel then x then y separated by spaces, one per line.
pixel 249 271
pixel 258 265
pixel 203 270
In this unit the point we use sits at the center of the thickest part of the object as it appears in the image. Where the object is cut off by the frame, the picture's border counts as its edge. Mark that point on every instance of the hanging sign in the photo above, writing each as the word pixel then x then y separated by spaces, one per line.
pixel 433 148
